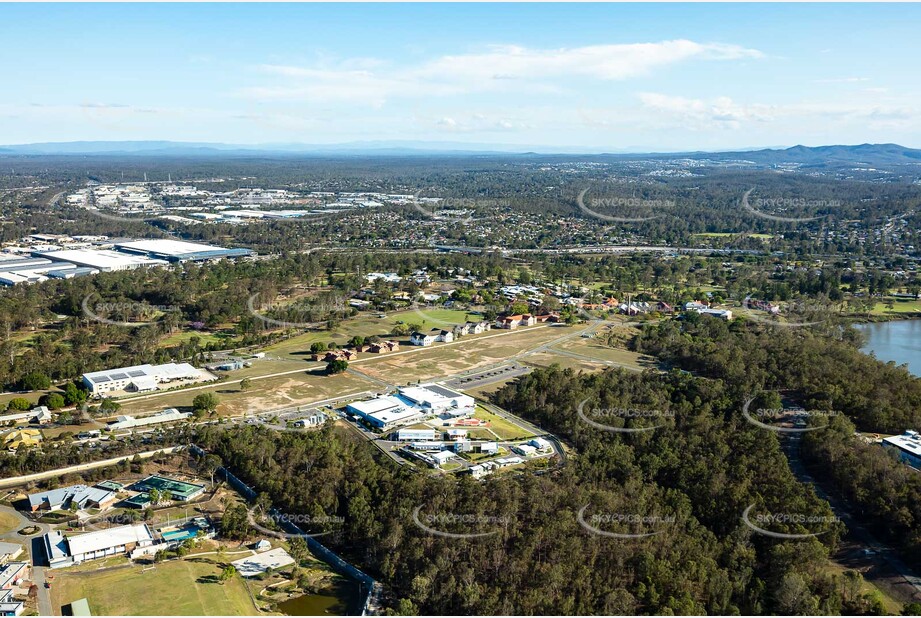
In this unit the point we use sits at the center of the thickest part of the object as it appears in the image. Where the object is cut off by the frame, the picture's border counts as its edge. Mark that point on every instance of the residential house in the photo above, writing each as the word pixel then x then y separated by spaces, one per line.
pixel 422 339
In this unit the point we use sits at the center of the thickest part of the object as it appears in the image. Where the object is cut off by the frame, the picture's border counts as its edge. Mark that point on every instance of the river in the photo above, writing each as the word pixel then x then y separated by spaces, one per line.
pixel 898 340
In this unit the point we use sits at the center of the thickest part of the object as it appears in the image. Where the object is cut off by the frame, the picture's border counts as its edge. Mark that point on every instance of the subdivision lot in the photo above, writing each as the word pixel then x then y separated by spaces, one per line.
pixel 367 325
pixel 264 394
pixel 448 359
pixel 187 587
pixel 594 348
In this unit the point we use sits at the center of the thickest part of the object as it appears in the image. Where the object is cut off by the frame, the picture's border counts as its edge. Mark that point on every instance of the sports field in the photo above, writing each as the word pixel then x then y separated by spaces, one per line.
pixel 187 587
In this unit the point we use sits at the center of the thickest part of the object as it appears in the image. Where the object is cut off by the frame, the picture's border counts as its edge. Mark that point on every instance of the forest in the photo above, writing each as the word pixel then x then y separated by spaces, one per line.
pixel 695 476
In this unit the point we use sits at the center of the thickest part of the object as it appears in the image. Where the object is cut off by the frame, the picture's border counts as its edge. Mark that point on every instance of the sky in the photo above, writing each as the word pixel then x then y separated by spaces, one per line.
pixel 592 77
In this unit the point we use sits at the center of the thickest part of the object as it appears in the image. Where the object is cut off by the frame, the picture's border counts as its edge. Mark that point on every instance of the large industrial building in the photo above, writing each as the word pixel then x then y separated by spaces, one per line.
pixel 413 403
pixel 140 378
pixel 179 250
pixel 67 258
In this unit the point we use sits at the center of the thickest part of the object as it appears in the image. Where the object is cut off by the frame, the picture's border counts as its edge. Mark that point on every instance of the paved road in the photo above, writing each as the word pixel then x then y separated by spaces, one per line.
pixel 881 554
pixel 32 546
pixel 38 476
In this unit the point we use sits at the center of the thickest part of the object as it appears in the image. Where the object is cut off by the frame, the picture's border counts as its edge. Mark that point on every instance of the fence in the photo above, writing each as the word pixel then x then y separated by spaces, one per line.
pixel 369 586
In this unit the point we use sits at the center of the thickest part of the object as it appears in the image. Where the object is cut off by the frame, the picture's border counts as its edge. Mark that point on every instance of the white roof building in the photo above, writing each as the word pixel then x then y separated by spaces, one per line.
pixel 170 415
pixel 139 377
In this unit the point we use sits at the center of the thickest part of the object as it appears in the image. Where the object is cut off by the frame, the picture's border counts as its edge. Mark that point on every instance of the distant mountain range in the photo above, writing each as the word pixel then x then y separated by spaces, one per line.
pixel 840 155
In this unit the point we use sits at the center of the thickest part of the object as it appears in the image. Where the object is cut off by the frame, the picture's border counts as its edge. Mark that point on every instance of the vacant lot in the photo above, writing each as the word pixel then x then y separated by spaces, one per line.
pixel 468 353
pixel 594 348
pixel 264 394
pixel 180 587
pixel 367 325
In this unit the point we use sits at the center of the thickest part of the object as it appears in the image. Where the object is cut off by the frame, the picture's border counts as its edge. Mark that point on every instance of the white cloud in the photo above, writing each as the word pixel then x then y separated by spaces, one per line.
pixel 499 68
pixel 727 113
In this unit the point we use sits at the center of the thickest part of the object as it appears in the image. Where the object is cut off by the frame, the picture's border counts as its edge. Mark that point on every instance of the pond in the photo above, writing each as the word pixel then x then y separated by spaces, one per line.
pixel 343 598
pixel 898 340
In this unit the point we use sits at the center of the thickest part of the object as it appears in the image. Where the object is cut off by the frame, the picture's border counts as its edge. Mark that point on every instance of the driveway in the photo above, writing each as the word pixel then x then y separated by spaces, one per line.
pixel 33 545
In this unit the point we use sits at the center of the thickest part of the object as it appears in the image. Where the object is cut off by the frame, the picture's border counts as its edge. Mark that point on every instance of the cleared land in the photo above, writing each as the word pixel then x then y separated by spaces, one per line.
pixel 265 394
pixel 187 587
pixel 8 522
pixel 596 349
pixel 468 353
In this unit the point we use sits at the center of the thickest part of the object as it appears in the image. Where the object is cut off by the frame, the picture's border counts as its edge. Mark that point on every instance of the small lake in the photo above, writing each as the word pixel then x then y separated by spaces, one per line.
pixel 899 341
pixel 343 598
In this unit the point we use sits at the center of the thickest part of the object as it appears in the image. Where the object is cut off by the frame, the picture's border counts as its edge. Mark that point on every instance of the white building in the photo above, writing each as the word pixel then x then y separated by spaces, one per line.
pixel 907 445
pixel 170 415
pixel 66 550
pixel 417 435
pixel 139 378
pixel 384 411
pixel 438 399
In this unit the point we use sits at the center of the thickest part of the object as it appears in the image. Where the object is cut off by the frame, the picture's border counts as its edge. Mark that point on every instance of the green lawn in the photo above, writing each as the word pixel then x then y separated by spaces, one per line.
pixel 8 522
pixel 506 430
pixel 179 588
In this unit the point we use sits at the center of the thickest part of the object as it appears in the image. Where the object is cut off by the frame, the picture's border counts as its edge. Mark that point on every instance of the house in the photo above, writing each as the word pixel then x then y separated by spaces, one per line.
pixel 9 551
pixel 480 470
pixel 382 347
pixel 10 606
pixel 441 457
pixel 525 450
pixel 722 314
pixel 444 336
pixel 489 448
pixel 664 307
pixel 42 415
pixel 422 339
pixel 22 437
pixel 478 327
pixel 547 317
pixel 695 306
pixel 341 354
pixel 514 321
pixel 462 329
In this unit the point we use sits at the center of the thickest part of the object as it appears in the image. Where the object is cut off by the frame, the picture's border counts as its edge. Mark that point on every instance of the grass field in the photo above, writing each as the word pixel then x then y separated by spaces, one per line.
pixel 8 522
pixel 505 430
pixel 265 394
pixel 179 587
pixel 596 349
pixel 367 325
pixel 467 354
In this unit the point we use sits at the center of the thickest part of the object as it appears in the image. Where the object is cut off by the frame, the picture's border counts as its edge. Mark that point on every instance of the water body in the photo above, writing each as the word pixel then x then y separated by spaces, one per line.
pixel 899 341
pixel 343 598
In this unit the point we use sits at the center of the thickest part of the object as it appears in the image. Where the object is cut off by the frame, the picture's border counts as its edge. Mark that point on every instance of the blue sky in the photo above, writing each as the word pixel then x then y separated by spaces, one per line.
pixel 593 76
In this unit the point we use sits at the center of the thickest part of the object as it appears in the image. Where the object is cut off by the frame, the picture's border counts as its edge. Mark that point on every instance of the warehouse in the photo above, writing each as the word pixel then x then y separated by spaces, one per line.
pixel 140 378
pixel 436 399
pixel 103 260
pixel 384 411
pixel 178 250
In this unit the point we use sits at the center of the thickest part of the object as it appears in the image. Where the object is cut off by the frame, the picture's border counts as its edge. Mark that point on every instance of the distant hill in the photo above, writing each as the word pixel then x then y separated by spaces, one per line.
pixel 863 154
pixel 837 155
